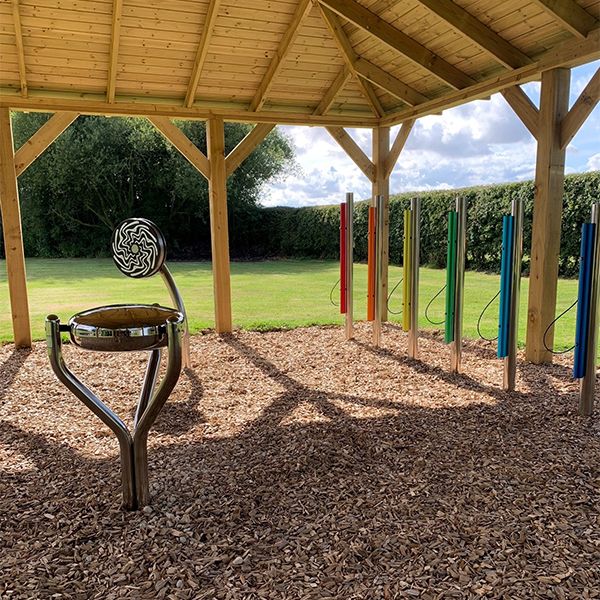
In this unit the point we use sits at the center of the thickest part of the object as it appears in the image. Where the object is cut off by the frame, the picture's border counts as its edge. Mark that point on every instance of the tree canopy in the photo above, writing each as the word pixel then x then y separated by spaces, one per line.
pixel 103 170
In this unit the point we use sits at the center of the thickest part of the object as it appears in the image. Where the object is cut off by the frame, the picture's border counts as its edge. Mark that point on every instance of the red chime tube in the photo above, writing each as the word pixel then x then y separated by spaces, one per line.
pixel 343 260
pixel 371 266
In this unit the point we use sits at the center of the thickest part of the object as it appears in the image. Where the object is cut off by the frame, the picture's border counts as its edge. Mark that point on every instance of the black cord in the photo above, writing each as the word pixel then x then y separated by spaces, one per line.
pixel 427 309
pixel 481 317
pixel 333 290
pixel 564 312
pixel 390 295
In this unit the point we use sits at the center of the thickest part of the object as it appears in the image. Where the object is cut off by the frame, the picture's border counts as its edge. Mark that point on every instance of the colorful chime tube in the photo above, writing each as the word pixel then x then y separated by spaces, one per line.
pixel 586 328
pixel 510 291
pixel 410 287
pixel 455 280
pixel 347 263
pixel 375 267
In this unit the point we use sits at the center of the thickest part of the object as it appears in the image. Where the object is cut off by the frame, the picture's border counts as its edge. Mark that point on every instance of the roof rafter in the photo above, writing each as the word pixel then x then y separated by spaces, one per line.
pixel 20 47
pixel 41 139
pixel 115 38
pixel 487 39
pixel 352 149
pixel 570 52
pixel 525 109
pixel 572 16
pixel 334 89
pixel 182 142
pixel 246 146
pixel 580 111
pixel 207 30
pixel 350 57
pixel 397 40
pixel 304 7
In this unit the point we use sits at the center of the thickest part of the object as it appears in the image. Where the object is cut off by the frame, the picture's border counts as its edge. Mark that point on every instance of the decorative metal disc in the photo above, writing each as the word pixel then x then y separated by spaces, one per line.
pixel 139 248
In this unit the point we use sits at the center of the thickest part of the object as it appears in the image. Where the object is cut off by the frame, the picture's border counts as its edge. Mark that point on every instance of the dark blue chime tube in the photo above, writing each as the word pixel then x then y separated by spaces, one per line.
pixel 506 272
pixel 583 299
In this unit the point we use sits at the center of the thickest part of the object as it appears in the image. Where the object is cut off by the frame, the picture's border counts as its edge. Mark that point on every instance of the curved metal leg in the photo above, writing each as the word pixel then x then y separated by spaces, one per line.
pixel 140 435
pixel 148 385
pixel 178 301
pixel 106 415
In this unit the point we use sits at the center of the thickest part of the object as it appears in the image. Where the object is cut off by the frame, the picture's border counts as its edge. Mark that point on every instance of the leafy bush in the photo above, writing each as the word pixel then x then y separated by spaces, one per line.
pixel 313 232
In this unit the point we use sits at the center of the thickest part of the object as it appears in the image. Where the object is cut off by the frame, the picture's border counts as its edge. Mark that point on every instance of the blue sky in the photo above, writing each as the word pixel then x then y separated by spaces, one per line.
pixel 479 143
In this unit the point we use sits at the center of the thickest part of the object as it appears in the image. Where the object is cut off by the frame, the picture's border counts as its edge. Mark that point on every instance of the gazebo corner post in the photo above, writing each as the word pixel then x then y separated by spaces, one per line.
pixel 219 233
pixel 547 213
pixel 381 187
pixel 13 234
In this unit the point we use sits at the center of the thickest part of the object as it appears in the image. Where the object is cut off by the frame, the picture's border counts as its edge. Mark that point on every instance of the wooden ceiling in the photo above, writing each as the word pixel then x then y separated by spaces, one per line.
pixel 331 62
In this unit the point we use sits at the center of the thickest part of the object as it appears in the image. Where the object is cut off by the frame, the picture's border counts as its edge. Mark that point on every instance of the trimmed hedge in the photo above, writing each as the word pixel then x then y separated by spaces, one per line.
pixel 314 232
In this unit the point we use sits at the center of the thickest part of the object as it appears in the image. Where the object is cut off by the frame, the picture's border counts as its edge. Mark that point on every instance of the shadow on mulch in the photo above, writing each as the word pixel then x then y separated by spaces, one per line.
pixel 405 497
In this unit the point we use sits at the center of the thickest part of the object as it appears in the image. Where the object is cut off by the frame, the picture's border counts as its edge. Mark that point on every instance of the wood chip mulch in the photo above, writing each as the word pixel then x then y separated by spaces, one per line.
pixel 295 465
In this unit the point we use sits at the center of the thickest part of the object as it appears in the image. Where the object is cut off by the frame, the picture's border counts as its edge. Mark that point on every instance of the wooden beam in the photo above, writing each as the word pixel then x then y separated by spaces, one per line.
pixel 237 156
pixel 397 147
pixel 115 37
pixel 219 231
pixel 189 150
pixel 547 214
pixel 581 110
pixel 381 186
pixel 387 82
pixel 468 26
pixel 353 150
pixel 13 236
pixel 334 89
pixel 207 30
pixel 350 57
pixel 524 108
pixel 20 47
pixel 41 139
pixel 399 41
pixel 571 53
pixel 304 7
pixel 571 15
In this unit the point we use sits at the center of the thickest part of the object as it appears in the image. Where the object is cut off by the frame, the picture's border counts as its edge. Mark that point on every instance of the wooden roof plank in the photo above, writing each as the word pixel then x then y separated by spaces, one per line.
pixel 259 99
pixel 20 47
pixel 396 39
pixel 487 39
pixel 580 111
pixel 115 37
pixel 207 30
pixel 572 16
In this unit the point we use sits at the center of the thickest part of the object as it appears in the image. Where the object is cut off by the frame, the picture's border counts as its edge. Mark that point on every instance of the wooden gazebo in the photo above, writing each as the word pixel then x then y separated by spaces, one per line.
pixel 331 63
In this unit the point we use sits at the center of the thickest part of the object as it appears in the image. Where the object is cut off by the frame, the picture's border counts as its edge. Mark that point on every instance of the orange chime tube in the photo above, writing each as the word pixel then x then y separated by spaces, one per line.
pixel 371 258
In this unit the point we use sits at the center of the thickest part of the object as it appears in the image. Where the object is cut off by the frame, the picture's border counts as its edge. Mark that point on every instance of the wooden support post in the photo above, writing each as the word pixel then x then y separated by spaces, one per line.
pixel 13 237
pixel 219 234
pixel 381 187
pixel 547 213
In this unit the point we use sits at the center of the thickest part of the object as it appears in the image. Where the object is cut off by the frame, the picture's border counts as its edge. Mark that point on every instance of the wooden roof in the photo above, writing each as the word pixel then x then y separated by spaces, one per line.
pixel 336 62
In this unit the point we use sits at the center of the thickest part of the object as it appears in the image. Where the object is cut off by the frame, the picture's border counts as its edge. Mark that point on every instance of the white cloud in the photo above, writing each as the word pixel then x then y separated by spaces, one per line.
pixel 478 143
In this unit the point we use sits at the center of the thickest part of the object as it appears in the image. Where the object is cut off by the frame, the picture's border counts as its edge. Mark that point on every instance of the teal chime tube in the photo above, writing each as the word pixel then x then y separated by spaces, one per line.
pixel 451 277
pixel 583 299
pixel 506 276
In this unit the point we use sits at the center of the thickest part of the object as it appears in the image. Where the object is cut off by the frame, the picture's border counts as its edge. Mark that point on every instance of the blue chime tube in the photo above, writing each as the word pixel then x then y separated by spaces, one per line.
pixel 506 270
pixel 583 299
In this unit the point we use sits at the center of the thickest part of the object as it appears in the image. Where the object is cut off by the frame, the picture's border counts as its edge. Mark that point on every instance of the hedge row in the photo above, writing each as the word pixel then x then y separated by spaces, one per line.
pixel 313 232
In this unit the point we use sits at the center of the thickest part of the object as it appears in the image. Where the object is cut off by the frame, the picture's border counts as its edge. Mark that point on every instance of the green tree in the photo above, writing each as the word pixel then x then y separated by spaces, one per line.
pixel 102 170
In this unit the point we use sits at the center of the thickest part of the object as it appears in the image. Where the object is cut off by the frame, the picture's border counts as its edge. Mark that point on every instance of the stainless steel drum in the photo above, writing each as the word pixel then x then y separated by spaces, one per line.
pixel 139 251
pixel 122 327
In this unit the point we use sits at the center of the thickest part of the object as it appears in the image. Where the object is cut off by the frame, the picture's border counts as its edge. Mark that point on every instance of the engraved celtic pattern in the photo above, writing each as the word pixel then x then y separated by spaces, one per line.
pixel 138 248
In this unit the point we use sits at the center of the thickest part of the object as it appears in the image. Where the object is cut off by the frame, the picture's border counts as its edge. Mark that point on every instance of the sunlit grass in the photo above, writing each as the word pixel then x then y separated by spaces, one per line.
pixel 266 295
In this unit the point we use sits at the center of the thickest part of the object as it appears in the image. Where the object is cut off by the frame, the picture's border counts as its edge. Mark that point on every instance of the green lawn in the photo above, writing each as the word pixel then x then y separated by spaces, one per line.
pixel 269 294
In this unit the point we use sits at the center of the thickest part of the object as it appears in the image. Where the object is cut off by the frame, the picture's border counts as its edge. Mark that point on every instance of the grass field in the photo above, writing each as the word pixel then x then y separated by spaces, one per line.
pixel 269 294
